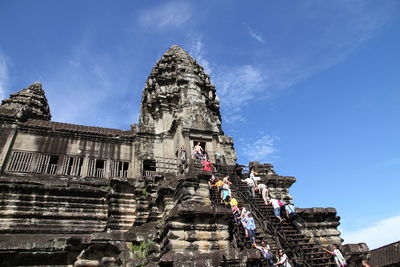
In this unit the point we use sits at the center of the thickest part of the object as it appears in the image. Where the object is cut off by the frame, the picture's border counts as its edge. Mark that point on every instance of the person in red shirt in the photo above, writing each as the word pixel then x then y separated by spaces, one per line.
pixel 207 165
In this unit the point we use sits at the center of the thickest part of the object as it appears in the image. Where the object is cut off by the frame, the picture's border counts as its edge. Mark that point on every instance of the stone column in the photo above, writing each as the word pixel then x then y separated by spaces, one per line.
pixel 7 138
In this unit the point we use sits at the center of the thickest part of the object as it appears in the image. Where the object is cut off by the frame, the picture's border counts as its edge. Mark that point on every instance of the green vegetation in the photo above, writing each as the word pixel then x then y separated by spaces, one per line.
pixel 161 224
pixel 141 250
pixel 145 192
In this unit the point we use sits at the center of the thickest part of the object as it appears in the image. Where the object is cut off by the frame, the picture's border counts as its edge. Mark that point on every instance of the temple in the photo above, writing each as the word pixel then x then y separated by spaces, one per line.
pixel 75 195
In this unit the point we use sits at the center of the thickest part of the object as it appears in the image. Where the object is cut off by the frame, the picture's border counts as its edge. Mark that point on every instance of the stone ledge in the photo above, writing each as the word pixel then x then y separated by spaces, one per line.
pixel 214 258
pixel 193 210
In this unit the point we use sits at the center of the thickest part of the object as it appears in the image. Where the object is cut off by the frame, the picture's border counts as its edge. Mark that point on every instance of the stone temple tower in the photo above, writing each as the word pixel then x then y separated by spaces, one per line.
pixel 180 105
pixel 79 195
pixel 29 103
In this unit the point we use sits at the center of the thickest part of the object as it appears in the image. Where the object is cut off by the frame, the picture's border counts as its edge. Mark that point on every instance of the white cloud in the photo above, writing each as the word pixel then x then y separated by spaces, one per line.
pixel 4 76
pixel 261 149
pixel 255 35
pixel 172 14
pixel 237 86
pixel 380 233
pixel 197 51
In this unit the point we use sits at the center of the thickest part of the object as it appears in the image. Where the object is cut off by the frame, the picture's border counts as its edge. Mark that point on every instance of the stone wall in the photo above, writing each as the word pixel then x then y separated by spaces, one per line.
pixel 320 224
pixel 32 208
pixel 194 227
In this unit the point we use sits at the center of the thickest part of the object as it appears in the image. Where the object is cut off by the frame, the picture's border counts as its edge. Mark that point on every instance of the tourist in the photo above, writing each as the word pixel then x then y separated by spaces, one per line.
pixel 212 181
pixel 207 165
pixel 232 203
pixel 238 170
pixel 218 183
pixel 182 155
pixel 254 177
pixel 225 192
pixel 266 252
pixel 243 213
pixel 250 185
pixel 251 229
pixel 263 190
pixel 339 259
pixel 197 151
pixel 243 219
pixel 218 158
pixel 290 211
pixel 211 184
pixel 282 259
pixel 215 182
pixel 226 180
pixel 276 204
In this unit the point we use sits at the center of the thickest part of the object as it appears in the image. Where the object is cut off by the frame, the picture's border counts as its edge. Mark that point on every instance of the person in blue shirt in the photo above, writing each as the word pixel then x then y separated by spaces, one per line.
pixel 251 229
pixel 290 211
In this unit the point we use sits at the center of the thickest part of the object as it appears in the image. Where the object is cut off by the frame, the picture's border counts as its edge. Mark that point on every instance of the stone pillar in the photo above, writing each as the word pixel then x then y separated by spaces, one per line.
pixel 194 227
pixel 7 137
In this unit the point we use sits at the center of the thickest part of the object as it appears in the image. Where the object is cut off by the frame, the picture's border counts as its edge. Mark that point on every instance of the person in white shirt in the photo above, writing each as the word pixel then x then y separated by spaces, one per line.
pixel 282 259
pixel 277 207
pixel 263 190
pixel 226 180
pixel 250 184
pixel 266 252
pixel 339 259
pixel 197 151
pixel 254 177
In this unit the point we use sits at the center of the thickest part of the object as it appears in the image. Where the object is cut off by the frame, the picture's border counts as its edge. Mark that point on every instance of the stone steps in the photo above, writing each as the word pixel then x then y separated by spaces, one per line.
pixel 52 214
pixel 16 210
pixel 53 228
pixel 47 198
pixel 122 210
pixel 33 204
pixel 312 254
pixel 32 208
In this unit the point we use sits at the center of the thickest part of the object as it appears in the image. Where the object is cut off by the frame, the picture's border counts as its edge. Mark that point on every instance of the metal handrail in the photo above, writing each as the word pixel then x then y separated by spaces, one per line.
pixel 236 231
pixel 279 237
pixel 301 220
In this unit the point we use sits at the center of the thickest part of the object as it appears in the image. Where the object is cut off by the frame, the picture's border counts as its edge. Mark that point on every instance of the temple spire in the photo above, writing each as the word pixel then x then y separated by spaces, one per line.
pixel 30 103
pixel 178 85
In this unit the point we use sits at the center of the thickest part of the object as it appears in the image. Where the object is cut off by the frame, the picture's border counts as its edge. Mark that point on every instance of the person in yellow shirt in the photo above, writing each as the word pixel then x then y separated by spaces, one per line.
pixel 232 202
pixel 219 184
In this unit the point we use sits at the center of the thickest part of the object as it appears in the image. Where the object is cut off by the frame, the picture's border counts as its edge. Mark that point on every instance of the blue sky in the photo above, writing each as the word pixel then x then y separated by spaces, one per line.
pixel 312 87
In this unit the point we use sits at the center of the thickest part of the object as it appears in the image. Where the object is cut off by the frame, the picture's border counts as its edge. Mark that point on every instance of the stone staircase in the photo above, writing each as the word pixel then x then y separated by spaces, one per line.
pixel 297 246
pixel 240 241
pixel 300 248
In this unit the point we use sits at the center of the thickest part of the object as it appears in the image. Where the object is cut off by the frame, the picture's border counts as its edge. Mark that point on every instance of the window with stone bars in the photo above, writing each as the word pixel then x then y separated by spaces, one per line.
pixel 119 169
pixel 72 165
pixel 46 164
pixel 97 168
pixel 21 162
